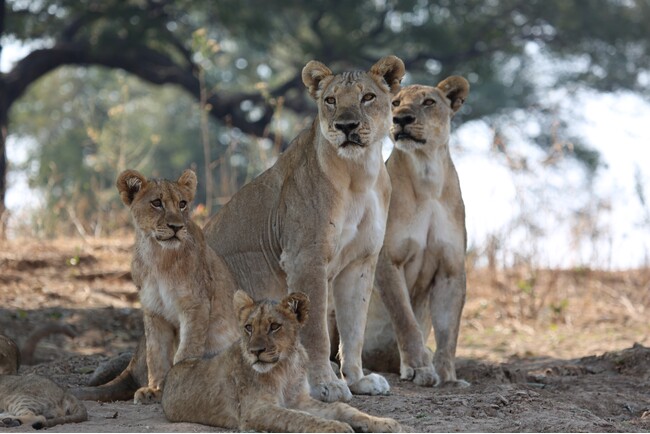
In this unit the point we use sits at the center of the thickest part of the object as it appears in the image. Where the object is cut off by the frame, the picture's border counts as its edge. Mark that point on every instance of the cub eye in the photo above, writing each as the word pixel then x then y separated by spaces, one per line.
pixel 182 204
pixel 369 97
pixel 156 203
pixel 428 101
pixel 330 100
pixel 248 328
pixel 275 326
pixel 395 103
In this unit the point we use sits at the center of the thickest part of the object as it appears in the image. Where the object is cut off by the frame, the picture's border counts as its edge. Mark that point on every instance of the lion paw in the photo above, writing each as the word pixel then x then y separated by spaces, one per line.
pixel 336 390
pixel 385 424
pixel 454 384
pixel 373 384
pixel 10 422
pixel 423 376
pixel 147 395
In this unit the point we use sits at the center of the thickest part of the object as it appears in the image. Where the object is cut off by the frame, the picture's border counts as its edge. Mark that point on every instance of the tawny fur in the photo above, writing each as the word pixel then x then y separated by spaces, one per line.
pixel 185 287
pixel 420 278
pixel 260 383
pixel 314 222
pixel 32 399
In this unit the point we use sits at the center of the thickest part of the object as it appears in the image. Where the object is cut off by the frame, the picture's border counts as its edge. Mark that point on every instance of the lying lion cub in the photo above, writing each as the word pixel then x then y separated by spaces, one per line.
pixel 185 288
pixel 420 277
pixel 32 399
pixel 260 383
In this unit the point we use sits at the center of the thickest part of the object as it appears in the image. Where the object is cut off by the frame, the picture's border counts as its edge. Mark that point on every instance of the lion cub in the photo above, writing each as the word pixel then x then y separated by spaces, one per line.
pixel 32 399
pixel 420 277
pixel 185 288
pixel 260 383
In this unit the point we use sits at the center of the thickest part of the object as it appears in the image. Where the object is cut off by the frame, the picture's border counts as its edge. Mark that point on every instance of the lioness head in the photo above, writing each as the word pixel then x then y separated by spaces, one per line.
pixel 160 208
pixel 422 114
pixel 270 330
pixel 354 107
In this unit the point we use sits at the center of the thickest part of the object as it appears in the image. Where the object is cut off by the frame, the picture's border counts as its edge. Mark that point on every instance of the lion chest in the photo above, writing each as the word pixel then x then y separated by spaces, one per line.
pixel 361 230
pixel 432 239
pixel 161 297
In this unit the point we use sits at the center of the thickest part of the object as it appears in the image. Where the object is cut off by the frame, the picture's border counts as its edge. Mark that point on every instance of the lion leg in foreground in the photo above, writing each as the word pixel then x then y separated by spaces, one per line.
pixel 260 382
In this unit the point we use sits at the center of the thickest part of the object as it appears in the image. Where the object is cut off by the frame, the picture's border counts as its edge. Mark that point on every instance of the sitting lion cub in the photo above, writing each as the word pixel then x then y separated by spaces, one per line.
pixel 420 278
pixel 185 288
pixel 260 383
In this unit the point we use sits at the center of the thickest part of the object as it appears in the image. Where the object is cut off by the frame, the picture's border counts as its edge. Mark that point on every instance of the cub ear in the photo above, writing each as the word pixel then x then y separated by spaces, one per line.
pixel 298 304
pixel 129 183
pixel 188 180
pixel 392 70
pixel 456 89
pixel 313 74
pixel 242 303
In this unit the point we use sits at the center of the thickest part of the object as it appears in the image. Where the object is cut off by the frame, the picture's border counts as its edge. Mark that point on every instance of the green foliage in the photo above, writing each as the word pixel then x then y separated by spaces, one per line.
pixel 87 124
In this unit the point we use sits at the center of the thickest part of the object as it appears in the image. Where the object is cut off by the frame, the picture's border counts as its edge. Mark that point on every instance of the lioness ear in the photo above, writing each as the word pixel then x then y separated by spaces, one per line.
pixel 242 303
pixel 188 180
pixel 456 89
pixel 298 304
pixel 391 69
pixel 313 74
pixel 129 183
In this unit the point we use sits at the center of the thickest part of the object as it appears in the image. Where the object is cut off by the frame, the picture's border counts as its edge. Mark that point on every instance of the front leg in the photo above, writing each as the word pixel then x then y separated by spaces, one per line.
pixel 194 323
pixel 352 290
pixel 415 361
pixel 273 418
pixel 306 274
pixel 358 420
pixel 159 336
pixel 447 301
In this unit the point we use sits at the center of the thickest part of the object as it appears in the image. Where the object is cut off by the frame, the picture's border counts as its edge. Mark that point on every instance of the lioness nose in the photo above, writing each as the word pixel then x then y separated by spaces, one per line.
pixel 346 127
pixel 403 120
pixel 175 227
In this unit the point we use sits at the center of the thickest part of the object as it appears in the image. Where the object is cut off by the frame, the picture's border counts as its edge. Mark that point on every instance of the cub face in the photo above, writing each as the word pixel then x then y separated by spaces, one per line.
pixel 270 330
pixel 422 114
pixel 354 107
pixel 160 208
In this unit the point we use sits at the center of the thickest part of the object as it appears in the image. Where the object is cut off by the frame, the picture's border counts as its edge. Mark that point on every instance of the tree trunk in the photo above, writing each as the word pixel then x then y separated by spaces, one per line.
pixel 4 120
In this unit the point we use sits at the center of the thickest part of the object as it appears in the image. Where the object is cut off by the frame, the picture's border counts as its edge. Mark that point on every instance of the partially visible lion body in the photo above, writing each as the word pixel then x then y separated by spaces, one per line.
pixel 315 221
pixel 32 399
pixel 185 287
pixel 420 278
pixel 260 383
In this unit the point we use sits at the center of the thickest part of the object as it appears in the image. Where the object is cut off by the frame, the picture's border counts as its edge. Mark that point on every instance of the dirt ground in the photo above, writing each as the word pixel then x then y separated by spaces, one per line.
pixel 544 350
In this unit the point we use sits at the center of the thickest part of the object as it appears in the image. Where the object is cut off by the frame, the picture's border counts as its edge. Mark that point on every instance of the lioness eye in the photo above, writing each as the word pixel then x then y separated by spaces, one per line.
pixel 157 203
pixel 330 100
pixel 182 204
pixel 369 97
pixel 428 101
pixel 248 328
pixel 274 326
pixel 395 103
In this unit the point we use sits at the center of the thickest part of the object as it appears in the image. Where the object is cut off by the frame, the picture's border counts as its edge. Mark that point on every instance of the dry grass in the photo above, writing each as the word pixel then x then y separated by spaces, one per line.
pixel 509 313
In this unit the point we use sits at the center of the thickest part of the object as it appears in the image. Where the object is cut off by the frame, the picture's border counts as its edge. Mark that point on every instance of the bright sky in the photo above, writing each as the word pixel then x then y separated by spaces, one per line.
pixel 557 201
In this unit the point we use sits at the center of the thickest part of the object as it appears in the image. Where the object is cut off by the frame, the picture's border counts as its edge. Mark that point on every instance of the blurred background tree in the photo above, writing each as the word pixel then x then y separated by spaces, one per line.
pixel 84 97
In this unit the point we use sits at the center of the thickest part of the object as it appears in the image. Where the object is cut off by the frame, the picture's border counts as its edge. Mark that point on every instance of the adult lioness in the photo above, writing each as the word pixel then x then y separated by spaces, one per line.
pixel 315 221
pixel 420 277
pixel 260 382
pixel 185 288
